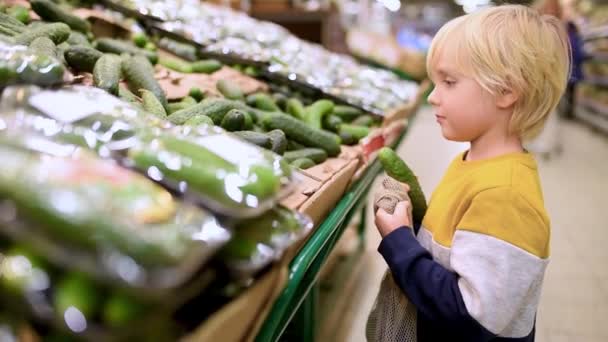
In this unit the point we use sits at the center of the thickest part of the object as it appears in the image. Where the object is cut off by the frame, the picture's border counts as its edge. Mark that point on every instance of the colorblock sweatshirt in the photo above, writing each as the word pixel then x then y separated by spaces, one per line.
pixel 475 268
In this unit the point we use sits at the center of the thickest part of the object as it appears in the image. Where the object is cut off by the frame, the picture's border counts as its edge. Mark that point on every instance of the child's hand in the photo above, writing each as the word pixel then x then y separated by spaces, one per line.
pixel 386 222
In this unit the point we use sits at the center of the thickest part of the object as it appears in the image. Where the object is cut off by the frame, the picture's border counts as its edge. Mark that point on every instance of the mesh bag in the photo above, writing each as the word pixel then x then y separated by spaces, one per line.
pixel 393 317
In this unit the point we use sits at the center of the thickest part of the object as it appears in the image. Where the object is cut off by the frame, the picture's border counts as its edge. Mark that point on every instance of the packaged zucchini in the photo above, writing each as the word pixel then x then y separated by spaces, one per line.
pixel 259 241
pixel 95 216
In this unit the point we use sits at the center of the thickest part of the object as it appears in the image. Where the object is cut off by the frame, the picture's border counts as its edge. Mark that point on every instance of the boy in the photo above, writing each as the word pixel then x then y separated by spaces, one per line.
pixel 475 268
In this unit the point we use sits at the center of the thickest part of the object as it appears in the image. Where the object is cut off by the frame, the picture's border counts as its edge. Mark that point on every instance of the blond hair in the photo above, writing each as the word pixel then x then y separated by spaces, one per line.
pixel 511 48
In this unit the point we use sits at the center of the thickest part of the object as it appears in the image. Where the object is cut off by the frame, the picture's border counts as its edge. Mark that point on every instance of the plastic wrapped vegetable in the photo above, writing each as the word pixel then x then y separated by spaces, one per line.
pixel 259 241
pixel 19 65
pixel 95 216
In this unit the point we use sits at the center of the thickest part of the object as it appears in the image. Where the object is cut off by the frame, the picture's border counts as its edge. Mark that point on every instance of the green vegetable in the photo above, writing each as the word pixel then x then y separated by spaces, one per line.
pixel 139 74
pixel 302 133
pixel 358 132
pixel 175 64
pixel 107 73
pixel 347 113
pixel 182 50
pixel 78 38
pixel 396 168
pixel 207 66
pixel 49 11
pixel 119 47
pixel 151 104
pixel 57 32
pixel 127 95
pixel 82 58
pixel 364 120
pixel 296 108
pixel 43 46
pixel 278 141
pixel 76 291
pixel 140 39
pixel 317 155
pixel 11 23
pixel 196 93
pixel 262 101
pixel 316 112
pixel 256 138
pixel 303 163
pixel 20 13
pixel 199 120
pixel 332 123
pixel 119 310
pixel 230 90
pixel 234 120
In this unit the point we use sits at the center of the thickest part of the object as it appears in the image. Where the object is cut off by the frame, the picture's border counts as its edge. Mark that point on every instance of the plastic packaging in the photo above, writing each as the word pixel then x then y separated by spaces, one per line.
pixel 18 65
pixel 70 306
pixel 97 217
pixel 203 164
pixel 259 241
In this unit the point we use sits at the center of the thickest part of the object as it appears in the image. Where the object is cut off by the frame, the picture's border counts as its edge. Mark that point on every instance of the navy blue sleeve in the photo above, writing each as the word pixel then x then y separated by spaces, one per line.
pixel 429 286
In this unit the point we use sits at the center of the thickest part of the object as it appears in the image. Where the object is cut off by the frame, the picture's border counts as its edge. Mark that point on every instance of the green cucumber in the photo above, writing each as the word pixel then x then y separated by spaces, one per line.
pixel 49 11
pixel 230 90
pixel 120 310
pixel 317 155
pixel 57 32
pixel 302 133
pixel 199 120
pixel 347 113
pixel 316 112
pixel 20 13
pixel 207 66
pixel 234 120
pixel 175 64
pixel 262 101
pixel 364 120
pixel 215 108
pixel 11 23
pixel 119 47
pixel 185 51
pixel 302 163
pixel 79 292
pixel 151 104
pixel 256 138
pixel 348 139
pixel 140 39
pixel 78 38
pixel 292 145
pixel 107 73
pixel 397 169
pixel 278 141
pixel 43 46
pixel 196 93
pixel 358 132
pixel 296 108
pixel 139 74
pixel 332 123
pixel 82 58
pixel 127 95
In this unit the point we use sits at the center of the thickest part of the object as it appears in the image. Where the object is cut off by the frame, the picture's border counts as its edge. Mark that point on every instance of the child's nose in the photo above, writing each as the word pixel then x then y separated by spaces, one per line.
pixel 433 100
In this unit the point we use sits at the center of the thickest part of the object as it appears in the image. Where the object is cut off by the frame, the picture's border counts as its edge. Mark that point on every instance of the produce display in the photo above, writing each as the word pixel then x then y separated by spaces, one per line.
pixel 222 31
pixel 143 177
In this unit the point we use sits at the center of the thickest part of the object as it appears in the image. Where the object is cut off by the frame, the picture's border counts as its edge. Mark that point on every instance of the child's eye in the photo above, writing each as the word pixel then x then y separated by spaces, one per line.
pixel 449 83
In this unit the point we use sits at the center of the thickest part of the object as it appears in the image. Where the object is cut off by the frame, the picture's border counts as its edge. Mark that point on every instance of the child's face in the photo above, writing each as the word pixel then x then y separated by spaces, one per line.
pixel 464 110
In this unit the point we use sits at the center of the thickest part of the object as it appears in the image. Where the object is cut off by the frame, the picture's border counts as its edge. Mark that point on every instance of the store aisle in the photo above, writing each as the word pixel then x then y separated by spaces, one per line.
pixel 574 304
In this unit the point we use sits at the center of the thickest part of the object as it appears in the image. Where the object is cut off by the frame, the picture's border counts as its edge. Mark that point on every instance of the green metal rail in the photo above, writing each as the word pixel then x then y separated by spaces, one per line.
pixel 297 304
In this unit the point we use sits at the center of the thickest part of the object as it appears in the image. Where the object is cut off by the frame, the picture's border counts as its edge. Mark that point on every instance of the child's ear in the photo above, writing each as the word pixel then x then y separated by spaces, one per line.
pixel 506 98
